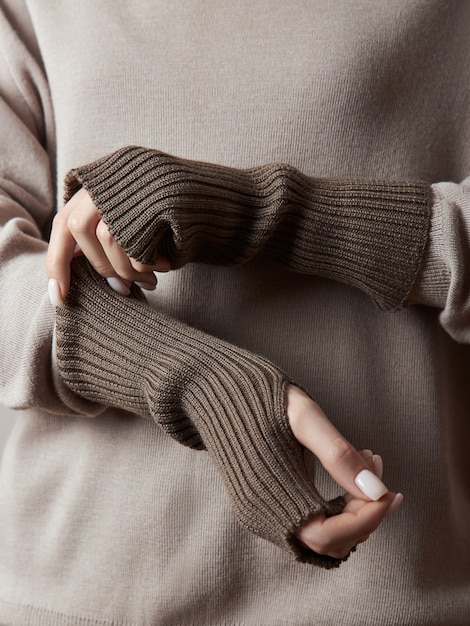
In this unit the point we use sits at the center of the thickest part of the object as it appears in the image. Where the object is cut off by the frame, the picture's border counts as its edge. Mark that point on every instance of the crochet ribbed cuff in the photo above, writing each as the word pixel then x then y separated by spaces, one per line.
pixel 204 392
pixel 365 233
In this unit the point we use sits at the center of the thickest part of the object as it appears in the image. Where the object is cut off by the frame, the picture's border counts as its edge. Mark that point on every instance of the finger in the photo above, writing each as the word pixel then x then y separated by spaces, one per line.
pixel 378 465
pixel 120 262
pixel 336 535
pixel 368 456
pixel 342 461
pixel 162 265
pixel 120 286
pixel 344 543
pixel 374 462
pixel 82 223
pixel 60 253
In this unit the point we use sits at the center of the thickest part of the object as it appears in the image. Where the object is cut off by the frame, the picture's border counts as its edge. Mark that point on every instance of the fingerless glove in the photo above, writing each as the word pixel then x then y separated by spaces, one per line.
pixel 204 392
pixel 366 233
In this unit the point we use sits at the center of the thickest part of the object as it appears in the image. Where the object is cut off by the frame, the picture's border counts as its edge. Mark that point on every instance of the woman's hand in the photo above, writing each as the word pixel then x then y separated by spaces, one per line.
pixel 79 229
pixel 368 501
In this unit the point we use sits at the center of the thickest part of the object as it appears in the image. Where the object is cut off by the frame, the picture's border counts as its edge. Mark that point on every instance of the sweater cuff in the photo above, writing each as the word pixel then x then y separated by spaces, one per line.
pixel 432 284
pixel 364 233
pixel 122 186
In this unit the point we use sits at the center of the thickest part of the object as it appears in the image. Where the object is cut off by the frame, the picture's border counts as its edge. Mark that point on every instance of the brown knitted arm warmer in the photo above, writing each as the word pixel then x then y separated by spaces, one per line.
pixel 369 234
pixel 204 392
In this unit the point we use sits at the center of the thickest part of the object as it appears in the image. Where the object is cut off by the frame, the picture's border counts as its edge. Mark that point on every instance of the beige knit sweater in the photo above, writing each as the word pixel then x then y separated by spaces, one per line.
pixel 106 519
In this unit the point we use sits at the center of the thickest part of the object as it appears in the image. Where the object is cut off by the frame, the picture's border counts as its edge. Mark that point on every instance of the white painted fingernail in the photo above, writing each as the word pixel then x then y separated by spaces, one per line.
pixel 378 465
pixel 54 292
pixel 370 485
pixel 147 286
pixel 118 286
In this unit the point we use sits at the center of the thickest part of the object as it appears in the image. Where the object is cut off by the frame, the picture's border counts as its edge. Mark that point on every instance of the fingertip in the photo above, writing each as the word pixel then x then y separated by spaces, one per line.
pixel 367 455
pixel 378 465
pixel 395 504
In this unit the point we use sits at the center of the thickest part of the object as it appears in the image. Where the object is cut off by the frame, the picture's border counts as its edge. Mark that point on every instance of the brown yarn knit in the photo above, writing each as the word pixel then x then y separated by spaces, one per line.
pixel 204 392
pixel 369 234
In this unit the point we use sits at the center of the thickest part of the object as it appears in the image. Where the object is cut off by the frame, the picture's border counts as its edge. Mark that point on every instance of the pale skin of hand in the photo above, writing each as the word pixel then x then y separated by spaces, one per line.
pixel 78 226
pixel 335 536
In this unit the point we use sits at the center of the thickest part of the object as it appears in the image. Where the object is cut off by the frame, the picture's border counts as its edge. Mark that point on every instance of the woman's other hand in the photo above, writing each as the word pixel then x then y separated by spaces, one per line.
pixel 79 229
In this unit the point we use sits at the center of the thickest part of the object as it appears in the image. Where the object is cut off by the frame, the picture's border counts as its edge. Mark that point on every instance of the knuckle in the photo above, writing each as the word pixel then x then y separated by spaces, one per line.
pixel 60 219
pixel 78 222
pixel 141 268
pixel 103 268
pixel 339 451
pixel 127 274
pixel 103 234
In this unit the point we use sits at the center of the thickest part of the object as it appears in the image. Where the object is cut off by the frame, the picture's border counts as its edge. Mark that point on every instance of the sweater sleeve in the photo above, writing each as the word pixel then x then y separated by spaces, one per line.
pixel 27 201
pixel 204 392
pixel 444 278
pixel 366 233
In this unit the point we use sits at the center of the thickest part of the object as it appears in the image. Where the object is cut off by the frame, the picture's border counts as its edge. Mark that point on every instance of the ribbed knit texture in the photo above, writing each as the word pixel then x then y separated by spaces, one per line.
pixel 365 233
pixel 204 392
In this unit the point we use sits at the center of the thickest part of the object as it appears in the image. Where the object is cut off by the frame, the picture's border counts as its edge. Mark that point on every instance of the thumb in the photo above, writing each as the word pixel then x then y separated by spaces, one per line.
pixel 341 460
